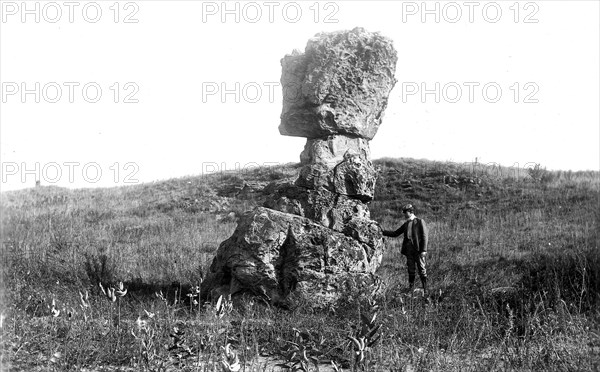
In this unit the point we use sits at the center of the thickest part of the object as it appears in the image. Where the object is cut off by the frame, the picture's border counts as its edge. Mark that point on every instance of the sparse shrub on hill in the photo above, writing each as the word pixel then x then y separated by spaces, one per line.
pixel 539 174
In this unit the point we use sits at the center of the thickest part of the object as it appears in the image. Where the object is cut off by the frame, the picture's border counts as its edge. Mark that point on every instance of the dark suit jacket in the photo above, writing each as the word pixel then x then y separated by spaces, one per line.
pixel 419 237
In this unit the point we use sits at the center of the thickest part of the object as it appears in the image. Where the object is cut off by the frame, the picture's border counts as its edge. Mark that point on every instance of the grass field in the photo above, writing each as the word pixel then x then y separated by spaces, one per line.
pixel 514 270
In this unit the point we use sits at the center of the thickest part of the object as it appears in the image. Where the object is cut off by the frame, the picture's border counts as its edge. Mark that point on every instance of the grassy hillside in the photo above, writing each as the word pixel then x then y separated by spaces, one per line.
pixel 514 267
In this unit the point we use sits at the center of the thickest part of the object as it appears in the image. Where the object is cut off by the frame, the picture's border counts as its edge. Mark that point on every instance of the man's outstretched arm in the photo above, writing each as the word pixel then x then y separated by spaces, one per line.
pixel 396 233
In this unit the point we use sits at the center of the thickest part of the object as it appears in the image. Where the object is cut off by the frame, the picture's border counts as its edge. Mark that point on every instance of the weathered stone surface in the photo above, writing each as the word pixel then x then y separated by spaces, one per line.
pixel 331 150
pixel 337 212
pixel 366 231
pixel 355 177
pixel 340 85
pixel 339 164
pixel 329 209
pixel 273 253
pixel 315 176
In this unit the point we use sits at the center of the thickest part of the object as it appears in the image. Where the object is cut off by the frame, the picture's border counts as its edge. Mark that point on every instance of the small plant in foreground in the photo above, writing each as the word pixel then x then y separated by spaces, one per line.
pixel 112 294
pixel 223 307
pixel 146 336
pixel 180 351
pixel 194 296
pixel 303 351
pixel 120 291
pixel 366 337
pixel 109 292
pixel 84 304
pixel 230 362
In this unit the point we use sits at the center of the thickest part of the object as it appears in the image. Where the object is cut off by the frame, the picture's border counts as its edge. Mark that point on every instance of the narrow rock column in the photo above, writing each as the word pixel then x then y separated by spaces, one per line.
pixel 311 235
pixel 335 95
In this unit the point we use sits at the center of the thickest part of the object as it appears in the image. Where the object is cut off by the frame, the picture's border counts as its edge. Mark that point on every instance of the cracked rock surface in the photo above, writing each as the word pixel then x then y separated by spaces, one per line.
pixel 340 85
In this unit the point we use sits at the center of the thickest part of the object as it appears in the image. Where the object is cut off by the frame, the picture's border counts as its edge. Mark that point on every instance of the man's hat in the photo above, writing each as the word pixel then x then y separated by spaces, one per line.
pixel 408 207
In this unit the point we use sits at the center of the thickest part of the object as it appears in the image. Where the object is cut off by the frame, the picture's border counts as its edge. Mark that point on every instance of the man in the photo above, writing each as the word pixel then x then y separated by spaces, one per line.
pixel 414 245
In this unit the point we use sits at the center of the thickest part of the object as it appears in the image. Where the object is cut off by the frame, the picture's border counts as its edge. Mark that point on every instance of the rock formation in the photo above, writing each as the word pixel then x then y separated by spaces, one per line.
pixel 312 234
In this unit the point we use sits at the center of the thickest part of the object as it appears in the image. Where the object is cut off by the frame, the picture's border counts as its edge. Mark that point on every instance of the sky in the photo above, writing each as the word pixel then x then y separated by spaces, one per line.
pixel 106 93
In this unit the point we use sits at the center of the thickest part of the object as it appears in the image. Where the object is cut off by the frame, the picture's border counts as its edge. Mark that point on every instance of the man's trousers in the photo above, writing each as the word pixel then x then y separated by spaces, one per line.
pixel 415 262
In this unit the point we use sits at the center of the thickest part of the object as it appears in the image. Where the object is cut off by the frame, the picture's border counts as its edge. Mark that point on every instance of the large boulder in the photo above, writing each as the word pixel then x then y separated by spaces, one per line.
pixel 322 206
pixel 272 254
pixel 340 85
pixel 337 212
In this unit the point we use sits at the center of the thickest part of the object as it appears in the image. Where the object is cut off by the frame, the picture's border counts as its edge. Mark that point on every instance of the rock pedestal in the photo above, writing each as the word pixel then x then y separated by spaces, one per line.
pixel 313 233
